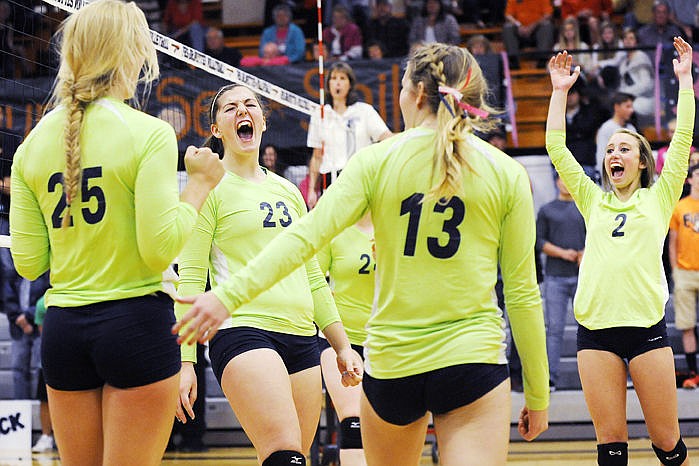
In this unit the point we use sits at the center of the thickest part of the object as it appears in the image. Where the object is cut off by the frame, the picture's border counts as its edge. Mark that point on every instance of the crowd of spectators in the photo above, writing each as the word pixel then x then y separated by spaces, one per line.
pixel 376 29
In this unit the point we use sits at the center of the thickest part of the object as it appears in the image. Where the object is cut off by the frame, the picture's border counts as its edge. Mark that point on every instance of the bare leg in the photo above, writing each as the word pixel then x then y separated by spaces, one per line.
pixel 138 421
pixel 603 377
pixel 477 434
pixel 653 375
pixel 258 389
pixel 77 425
pixel 388 444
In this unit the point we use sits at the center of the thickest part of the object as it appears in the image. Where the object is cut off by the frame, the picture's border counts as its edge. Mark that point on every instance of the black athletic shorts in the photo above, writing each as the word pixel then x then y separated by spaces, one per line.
pixel 297 352
pixel 123 343
pixel 323 344
pixel 404 400
pixel 625 342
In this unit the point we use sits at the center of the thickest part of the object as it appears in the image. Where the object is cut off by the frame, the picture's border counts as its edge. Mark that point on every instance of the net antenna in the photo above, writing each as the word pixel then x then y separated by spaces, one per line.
pixel 221 69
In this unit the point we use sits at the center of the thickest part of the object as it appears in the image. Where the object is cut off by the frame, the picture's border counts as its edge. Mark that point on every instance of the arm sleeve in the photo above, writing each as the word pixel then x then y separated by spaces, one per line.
pixel 343 204
pixel 580 186
pixel 522 297
pixel 324 308
pixel 669 184
pixel 295 44
pixel 194 267
pixel 324 257
pixel 30 238
pixel 163 222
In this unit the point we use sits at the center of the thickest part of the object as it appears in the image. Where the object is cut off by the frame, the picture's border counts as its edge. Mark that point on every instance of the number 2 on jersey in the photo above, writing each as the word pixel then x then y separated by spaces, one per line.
pixel 412 205
pixel 88 192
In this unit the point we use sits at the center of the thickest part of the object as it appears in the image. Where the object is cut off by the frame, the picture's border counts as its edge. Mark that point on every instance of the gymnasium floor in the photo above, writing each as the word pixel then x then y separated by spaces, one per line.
pixel 541 453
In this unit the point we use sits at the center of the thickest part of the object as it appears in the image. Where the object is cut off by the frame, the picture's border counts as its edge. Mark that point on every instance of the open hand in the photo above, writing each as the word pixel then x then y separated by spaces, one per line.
pixel 559 70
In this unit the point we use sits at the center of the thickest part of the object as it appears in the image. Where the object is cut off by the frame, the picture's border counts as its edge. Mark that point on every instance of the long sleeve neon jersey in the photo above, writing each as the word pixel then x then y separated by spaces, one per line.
pixel 437 263
pixel 622 280
pixel 128 223
pixel 238 219
pixel 349 261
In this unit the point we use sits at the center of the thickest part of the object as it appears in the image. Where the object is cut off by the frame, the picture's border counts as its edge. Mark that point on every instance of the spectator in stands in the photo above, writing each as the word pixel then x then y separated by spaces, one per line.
pixel 660 30
pixel 271 56
pixel 375 50
pixel 560 235
pixel 527 22
pixel 216 47
pixel 184 21
pixel 269 159
pixel 582 122
pixel 569 39
pixel 347 126
pixel 589 13
pixel 622 106
pixel 637 78
pixel 478 45
pixel 684 259
pixel 286 35
pixel 343 38
pixel 434 24
pixel 606 53
pixel 388 30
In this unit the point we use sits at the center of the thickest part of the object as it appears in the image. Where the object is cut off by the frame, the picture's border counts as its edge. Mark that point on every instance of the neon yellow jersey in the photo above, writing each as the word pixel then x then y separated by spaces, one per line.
pixel 622 279
pixel 237 221
pixel 349 261
pixel 129 223
pixel 437 263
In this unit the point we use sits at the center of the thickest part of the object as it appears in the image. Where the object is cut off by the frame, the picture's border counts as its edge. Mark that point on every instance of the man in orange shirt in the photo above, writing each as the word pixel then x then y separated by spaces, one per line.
pixel 528 22
pixel 684 258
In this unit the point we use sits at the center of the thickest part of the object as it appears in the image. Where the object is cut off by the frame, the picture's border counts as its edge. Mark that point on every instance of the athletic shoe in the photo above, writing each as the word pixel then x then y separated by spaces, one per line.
pixel 44 444
pixel 552 387
pixel 692 382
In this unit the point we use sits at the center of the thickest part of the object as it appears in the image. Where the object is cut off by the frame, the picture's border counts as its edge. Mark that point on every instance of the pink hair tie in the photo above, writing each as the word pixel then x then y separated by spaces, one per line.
pixel 458 96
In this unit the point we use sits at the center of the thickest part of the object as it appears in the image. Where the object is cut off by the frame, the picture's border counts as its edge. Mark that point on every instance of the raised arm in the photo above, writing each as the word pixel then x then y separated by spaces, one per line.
pixel 561 81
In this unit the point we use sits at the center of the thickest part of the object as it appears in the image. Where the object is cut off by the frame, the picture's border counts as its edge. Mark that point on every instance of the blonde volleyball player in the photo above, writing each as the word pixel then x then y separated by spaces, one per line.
pixel 266 355
pixel 620 303
pixel 349 260
pixel 446 208
pixel 95 200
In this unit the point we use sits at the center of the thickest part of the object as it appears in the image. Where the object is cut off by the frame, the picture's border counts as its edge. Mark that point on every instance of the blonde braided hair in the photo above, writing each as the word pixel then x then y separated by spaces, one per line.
pixel 444 65
pixel 105 47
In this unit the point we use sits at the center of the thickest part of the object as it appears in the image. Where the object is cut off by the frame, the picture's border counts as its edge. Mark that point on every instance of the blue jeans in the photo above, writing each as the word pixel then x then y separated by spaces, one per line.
pixel 558 292
pixel 25 355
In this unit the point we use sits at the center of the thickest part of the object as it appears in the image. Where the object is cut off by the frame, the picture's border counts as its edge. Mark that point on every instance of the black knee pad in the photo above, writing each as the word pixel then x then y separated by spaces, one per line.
pixel 350 434
pixel 674 457
pixel 613 454
pixel 285 458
